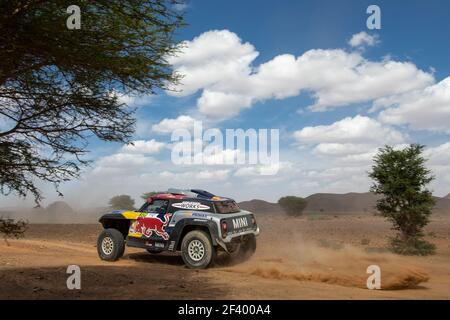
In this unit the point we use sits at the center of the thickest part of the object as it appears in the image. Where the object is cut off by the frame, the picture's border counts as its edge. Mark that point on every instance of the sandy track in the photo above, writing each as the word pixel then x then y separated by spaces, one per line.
pixel 298 259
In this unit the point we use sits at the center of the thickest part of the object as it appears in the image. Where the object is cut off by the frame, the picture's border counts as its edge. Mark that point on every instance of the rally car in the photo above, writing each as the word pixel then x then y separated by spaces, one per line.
pixel 195 222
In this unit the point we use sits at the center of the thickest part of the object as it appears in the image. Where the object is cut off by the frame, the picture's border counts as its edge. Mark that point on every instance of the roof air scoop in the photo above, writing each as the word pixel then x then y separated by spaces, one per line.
pixel 194 193
pixel 203 193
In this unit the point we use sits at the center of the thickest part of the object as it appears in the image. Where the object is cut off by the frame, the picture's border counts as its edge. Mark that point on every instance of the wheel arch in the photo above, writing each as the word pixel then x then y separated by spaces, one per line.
pixel 186 225
pixel 114 222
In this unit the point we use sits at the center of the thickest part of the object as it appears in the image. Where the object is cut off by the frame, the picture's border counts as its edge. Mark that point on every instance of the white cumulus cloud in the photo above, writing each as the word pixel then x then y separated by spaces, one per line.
pixel 212 57
pixel 348 142
pixel 169 125
pixel 362 39
pixel 356 130
pixel 427 109
pixel 220 65
pixel 143 147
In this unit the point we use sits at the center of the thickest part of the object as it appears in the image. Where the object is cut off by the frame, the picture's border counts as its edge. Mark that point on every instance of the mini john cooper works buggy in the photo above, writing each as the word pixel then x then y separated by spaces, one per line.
pixel 195 222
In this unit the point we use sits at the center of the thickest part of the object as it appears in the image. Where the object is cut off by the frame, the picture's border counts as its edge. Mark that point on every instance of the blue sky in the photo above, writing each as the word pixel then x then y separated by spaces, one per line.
pixel 335 103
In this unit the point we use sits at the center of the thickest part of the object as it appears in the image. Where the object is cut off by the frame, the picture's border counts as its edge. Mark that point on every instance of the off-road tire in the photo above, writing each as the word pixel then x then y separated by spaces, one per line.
pixel 110 245
pixel 197 250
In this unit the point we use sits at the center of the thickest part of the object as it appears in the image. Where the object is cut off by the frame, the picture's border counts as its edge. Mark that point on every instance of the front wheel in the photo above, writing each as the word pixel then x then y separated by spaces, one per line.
pixel 197 250
pixel 110 245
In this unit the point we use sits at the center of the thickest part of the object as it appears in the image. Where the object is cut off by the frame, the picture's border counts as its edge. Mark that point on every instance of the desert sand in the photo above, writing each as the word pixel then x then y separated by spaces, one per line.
pixel 316 257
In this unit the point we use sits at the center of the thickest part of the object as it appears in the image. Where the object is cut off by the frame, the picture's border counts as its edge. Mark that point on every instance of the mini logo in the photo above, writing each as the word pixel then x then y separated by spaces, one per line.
pixel 190 205
pixel 240 223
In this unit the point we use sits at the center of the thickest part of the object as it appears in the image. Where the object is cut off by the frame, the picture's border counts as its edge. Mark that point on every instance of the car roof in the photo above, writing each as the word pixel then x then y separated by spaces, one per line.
pixel 201 195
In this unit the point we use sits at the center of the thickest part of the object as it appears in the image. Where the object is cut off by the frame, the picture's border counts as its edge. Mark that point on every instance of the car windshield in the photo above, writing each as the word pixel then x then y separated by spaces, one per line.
pixel 228 206
pixel 157 206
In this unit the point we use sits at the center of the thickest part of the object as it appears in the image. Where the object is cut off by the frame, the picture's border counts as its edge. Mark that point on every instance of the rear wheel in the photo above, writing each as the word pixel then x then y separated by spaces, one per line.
pixel 197 250
pixel 110 245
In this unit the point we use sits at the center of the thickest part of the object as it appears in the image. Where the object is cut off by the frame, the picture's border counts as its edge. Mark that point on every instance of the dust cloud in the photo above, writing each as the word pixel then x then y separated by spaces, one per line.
pixel 287 256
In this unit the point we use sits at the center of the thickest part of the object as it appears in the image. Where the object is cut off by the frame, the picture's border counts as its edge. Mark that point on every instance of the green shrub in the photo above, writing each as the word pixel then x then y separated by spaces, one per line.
pixel 12 229
pixel 401 177
pixel 292 205
pixel 122 202
pixel 412 246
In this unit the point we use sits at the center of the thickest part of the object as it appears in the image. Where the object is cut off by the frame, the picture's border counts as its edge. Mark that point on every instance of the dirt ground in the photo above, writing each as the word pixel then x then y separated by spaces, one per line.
pixel 324 257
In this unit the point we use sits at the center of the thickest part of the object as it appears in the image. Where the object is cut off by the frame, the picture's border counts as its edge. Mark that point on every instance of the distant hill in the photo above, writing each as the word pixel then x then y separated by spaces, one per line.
pixel 341 203
pixel 447 196
pixel 260 206
pixel 348 203
pixel 326 203
pixel 442 205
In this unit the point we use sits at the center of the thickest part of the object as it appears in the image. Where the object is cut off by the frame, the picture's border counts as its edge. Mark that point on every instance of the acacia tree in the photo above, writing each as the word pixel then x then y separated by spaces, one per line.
pixel 292 205
pixel 59 87
pixel 401 177
pixel 12 229
pixel 122 202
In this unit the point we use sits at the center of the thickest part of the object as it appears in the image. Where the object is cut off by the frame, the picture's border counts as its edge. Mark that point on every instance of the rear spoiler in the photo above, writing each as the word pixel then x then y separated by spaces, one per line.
pixel 194 193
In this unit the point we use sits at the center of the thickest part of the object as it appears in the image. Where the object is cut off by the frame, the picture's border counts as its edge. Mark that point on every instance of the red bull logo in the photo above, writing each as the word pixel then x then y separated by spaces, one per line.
pixel 150 223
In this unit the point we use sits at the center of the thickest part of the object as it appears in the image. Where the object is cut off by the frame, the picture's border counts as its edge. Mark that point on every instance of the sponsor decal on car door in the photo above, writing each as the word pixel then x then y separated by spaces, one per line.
pixel 148 224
